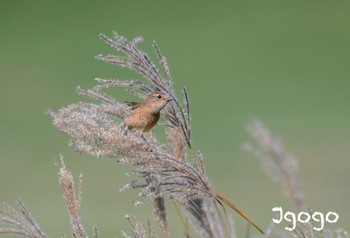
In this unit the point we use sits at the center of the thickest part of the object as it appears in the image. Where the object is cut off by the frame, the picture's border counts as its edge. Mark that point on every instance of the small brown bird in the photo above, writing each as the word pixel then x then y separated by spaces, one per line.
pixel 145 115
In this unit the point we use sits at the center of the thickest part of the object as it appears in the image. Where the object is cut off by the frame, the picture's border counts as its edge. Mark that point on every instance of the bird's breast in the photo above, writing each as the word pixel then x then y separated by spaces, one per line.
pixel 141 120
pixel 151 121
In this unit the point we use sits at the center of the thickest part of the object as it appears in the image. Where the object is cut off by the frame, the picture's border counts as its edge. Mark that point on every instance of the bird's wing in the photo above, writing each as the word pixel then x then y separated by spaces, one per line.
pixel 133 105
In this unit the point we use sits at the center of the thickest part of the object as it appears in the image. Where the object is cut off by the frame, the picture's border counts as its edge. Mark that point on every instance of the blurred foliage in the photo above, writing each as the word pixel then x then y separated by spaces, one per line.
pixel 286 63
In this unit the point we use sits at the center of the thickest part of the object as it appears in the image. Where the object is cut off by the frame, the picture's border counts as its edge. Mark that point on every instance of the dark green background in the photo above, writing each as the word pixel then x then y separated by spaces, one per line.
pixel 285 62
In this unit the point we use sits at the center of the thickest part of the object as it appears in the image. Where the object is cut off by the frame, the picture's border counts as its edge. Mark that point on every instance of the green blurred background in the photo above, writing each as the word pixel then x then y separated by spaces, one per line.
pixel 285 62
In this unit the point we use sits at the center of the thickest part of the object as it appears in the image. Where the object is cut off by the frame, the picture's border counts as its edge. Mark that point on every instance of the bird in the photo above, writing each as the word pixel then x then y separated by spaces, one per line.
pixel 145 115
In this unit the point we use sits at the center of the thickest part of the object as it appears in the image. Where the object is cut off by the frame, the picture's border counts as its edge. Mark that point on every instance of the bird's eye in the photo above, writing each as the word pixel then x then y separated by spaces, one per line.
pixel 159 96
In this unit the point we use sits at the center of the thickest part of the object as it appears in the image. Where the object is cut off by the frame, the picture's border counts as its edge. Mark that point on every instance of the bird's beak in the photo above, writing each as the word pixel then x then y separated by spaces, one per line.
pixel 170 99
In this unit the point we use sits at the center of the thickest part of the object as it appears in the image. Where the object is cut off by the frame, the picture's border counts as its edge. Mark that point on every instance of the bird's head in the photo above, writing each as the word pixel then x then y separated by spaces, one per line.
pixel 156 101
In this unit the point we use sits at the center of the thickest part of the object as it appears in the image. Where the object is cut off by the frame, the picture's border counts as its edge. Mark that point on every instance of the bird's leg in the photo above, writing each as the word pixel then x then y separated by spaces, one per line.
pixel 125 128
pixel 148 146
pixel 144 139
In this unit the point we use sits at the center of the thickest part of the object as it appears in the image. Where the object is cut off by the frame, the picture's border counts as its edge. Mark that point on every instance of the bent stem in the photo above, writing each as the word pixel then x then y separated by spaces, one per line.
pixel 221 197
pixel 183 220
